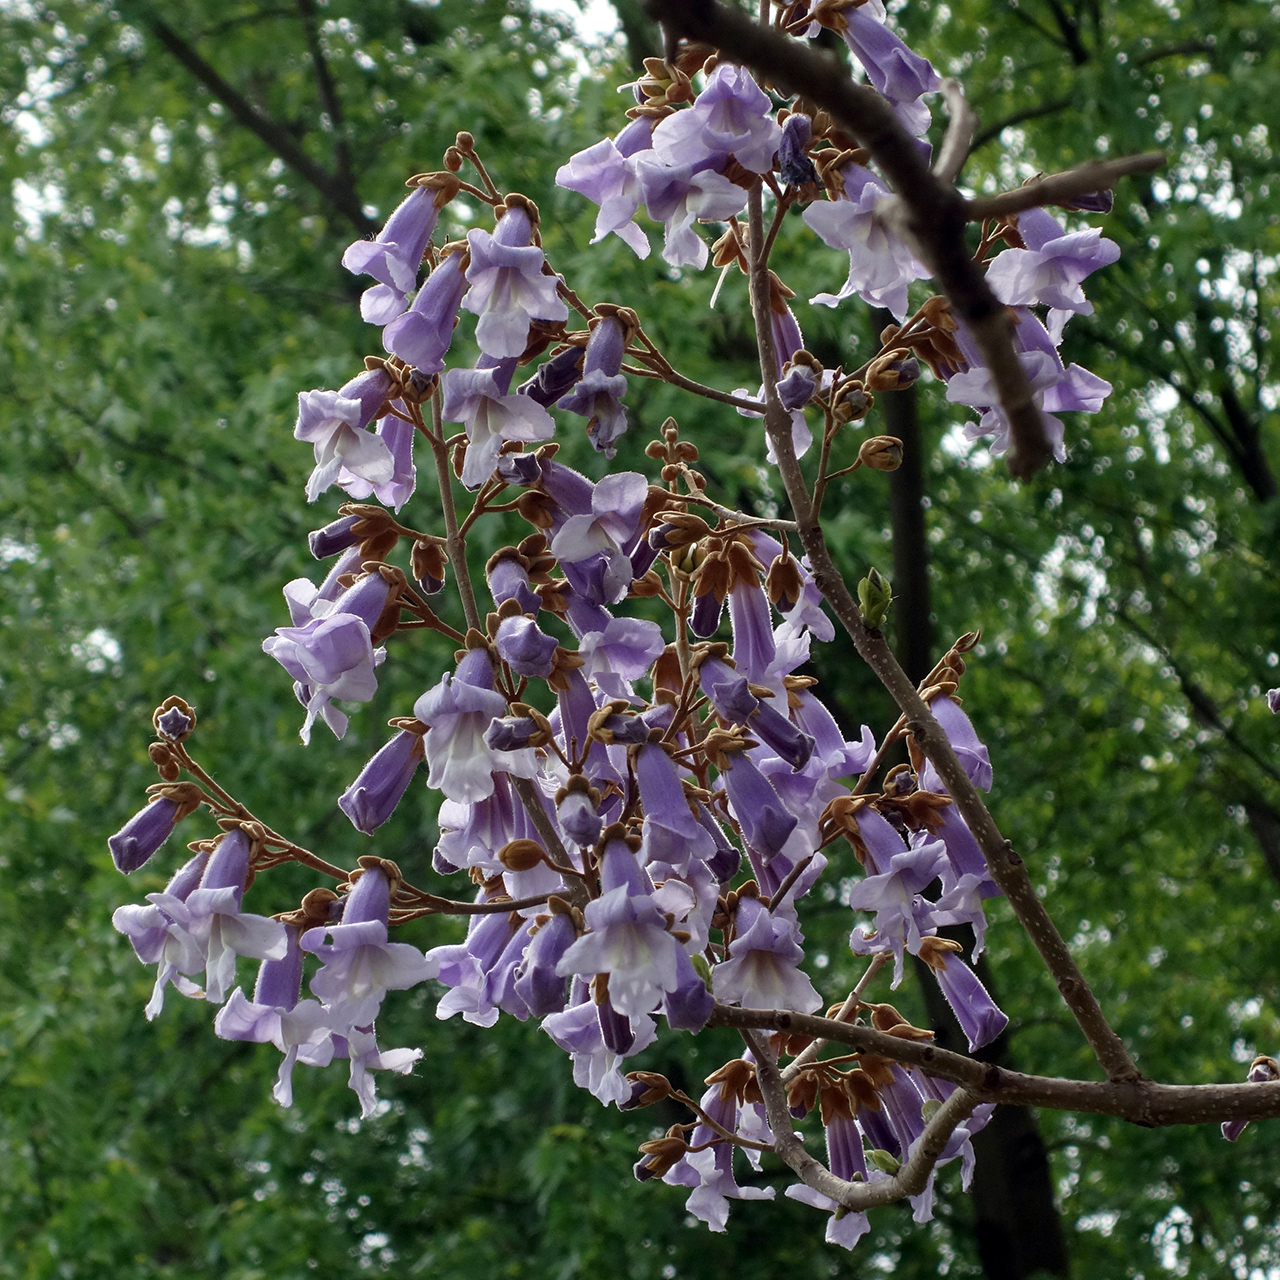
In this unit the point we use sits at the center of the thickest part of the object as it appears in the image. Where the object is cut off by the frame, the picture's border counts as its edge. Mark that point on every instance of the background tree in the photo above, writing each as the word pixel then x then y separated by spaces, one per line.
pixel 181 181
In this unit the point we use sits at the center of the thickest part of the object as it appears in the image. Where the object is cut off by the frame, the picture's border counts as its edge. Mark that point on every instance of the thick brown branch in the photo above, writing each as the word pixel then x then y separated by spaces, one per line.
pixel 342 196
pixel 1140 1101
pixel 931 216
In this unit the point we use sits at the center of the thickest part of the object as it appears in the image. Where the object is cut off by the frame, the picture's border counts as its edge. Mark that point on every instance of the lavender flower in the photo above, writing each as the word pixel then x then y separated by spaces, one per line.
pixel 1050 269
pixel 371 799
pixel 763 971
pixel 680 194
pixel 478 398
pixel 393 256
pixel 602 174
pixel 132 846
pixel 880 265
pixel 398 436
pixel 459 710
pixel 333 423
pixel 421 337
pixel 508 289
pixel 359 965
pixel 732 116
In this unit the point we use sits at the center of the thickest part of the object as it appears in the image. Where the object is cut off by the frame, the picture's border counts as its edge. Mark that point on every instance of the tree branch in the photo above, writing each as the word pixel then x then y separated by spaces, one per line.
pixel 342 196
pixel 1140 1101
pixel 1060 188
pixel 328 91
pixel 910 1180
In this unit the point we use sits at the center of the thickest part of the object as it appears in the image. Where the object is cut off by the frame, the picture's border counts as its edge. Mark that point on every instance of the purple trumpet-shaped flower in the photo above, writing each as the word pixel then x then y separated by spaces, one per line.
pixel 1261 1071
pixel 334 422
pixel 459 710
pixel 147 929
pixel 627 938
pixel 537 983
pixel 733 700
pixel 892 895
pixel 1049 271
pixel 371 799
pixel 593 545
pixel 465 967
pixel 511 733
pixel 328 657
pixel 963 738
pixel 880 265
pixel 276 1015
pixel 622 652
pixel 765 821
pixel 398 435
pixel 671 832
pixel 394 255
pixel 754 648
pixel 732 116
pixel 526 649
pixel 579 1032
pixel 206 929
pixel 1273 701
pixel 359 965
pixel 726 861
pixel 961 903
pixel 975 1011
pixel 422 336
pixel 508 289
pixel 602 174
pixel 132 846
pixel 763 969
pixel 975 387
pixel 794 165
pixel 710 1172
pixel 598 396
pixel 894 70
pixel 478 399
pixel 677 195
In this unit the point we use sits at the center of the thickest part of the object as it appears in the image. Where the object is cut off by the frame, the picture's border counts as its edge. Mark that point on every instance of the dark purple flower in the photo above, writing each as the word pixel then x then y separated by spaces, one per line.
pixel 336 536
pixel 174 724
pixel 537 984
pixel 598 396
pixel 794 165
pixel 765 821
pixel 555 378
pixel 979 1017
pixel 371 799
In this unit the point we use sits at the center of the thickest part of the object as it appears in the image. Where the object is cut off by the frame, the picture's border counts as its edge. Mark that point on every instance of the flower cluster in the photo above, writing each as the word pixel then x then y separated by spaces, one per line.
pixel 642 807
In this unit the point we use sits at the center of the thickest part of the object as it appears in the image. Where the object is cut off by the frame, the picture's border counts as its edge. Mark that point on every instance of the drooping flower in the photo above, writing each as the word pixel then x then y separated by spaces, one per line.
pixel 598 395
pixel 393 256
pixel 334 422
pixel 763 969
pixel 422 336
pixel 398 436
pixel 132 846
pixel 478 398
pixel 359 965
pixel 732 116
pixel 978 1015
pixel 371 799
pixel 880 265
pixel 1049 271
pixel 677 195
pixel 458 711
pixel 602 174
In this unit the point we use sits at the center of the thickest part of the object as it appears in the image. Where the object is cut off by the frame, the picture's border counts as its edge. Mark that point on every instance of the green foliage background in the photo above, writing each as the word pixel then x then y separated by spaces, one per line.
pixel 166 288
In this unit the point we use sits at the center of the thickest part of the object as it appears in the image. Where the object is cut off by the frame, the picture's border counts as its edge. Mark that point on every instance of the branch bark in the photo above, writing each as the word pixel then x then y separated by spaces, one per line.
pixel 341 195
pixel 1140 1101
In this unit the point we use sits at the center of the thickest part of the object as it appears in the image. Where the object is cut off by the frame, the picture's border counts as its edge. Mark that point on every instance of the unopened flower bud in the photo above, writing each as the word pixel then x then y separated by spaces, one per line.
pixel 153 824
pixel 427 560
pixel 174 719
pixel 164 760
pixel 874 597
pixel 521 855
pixel 881 453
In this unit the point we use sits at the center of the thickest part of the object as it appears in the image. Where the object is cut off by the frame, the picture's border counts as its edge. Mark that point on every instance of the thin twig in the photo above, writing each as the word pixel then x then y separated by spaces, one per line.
pixel 959 136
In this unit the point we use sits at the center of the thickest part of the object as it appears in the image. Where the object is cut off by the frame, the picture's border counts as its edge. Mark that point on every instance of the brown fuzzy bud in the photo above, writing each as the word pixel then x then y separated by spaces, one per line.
pixel 521 855
pixel 881 453
pixel 162 756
